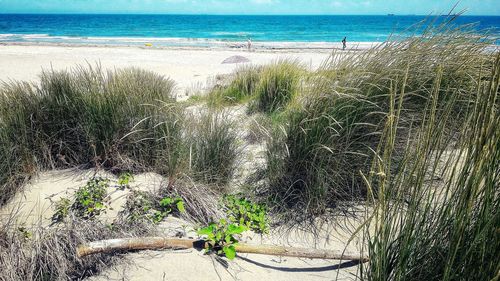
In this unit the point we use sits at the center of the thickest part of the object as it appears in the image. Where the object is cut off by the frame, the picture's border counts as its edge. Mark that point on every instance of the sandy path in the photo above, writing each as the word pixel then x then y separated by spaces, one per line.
pixel 190 68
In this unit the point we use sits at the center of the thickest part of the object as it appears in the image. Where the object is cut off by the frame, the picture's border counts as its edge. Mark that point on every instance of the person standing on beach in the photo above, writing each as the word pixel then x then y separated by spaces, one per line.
pixel 344 43
pixel 249 44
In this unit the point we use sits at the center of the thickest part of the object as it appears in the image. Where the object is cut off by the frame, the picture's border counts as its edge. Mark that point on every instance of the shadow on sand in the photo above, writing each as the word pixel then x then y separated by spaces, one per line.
pixel 306 269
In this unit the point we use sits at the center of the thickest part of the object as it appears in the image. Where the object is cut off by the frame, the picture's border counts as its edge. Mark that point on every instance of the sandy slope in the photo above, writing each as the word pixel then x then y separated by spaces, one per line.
pixel 35 206
pixel 191 69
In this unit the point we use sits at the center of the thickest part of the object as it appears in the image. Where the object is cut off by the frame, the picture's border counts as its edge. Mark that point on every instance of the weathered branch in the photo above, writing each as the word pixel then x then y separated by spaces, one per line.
pixel 155 243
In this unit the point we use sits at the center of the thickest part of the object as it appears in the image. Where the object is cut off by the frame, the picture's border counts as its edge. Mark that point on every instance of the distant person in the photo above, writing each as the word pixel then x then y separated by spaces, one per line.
pixel 344 43
pixel 249 44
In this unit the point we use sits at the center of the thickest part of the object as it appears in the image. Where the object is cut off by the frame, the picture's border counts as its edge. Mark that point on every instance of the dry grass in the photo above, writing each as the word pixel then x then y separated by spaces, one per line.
pixel 37 253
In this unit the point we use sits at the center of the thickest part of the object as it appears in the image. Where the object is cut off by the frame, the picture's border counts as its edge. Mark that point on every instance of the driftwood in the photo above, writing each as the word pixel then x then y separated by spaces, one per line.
pixel 155 243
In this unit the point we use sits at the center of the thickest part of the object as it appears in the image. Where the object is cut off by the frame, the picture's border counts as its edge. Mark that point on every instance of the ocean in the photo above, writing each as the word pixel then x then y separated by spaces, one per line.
pixel 212 30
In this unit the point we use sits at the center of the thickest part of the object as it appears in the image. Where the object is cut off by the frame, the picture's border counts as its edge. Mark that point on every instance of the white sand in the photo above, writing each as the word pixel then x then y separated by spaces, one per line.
pixel 191 69
pixel 35 205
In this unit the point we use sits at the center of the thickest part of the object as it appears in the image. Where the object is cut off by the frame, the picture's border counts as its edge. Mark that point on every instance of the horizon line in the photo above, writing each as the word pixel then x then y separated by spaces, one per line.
pixel 210 14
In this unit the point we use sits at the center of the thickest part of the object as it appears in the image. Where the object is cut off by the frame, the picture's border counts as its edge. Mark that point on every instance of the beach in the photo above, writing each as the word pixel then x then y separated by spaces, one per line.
pixel 163 148
pixel 192 69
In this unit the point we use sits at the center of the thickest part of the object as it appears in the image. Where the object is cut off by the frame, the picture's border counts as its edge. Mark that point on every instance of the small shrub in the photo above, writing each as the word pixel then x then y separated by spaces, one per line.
pixel 139 206
pixel 124 180
pixel 143 206
pixel 62 208
pixel 221 237
pixel 244 212
pixel 167 206
pixel 89 199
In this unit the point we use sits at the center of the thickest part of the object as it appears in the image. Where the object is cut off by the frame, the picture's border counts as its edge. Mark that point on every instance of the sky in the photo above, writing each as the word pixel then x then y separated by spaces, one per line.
pixel 261 7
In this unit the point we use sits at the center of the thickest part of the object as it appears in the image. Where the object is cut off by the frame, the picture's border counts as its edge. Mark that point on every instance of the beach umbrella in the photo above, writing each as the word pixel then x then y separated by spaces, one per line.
pixel 235 59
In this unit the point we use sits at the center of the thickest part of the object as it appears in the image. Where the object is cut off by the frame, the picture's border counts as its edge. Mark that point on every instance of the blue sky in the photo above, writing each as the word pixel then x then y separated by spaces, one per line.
pixel 360 7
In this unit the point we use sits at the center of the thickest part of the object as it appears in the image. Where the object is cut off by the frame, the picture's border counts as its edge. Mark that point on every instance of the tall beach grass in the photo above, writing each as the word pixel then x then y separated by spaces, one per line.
pixel 331 132
pixel 213 147
pixel 268 88
pixel 436 217
pixel 120 120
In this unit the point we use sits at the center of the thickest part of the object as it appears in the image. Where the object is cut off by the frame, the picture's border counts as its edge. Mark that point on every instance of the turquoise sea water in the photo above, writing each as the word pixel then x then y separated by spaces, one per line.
pixel 208 30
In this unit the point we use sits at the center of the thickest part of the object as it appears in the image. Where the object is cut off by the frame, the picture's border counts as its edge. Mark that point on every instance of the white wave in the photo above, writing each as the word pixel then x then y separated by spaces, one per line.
pixel 226 33
pixel 176 41
pixel 34 36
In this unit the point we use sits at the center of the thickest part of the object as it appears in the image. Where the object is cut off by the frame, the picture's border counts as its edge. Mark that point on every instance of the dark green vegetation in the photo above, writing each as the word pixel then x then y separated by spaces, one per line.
pixel 245 212
pixel 89 199
pixel 243 215
pixel 220 237
pixel 147 207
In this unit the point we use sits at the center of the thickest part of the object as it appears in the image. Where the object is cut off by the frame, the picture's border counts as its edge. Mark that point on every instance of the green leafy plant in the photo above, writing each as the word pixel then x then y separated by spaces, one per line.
pixel 124 180
pixel 62 210
pixel 167 206
pixel 221 237
pixel 139 206
pixel 244 212
pixel 89 199
pixel 144 206
pixel 24 232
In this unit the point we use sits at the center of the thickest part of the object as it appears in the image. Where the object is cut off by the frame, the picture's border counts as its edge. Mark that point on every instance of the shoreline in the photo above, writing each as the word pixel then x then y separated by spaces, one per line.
pixel 220 46
pixel 194 70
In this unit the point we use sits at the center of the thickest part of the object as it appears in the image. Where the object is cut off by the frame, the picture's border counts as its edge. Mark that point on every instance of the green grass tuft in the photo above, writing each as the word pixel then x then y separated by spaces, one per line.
pixel 120 120
pixel 213 147
pixel 279 84
pixel 241 88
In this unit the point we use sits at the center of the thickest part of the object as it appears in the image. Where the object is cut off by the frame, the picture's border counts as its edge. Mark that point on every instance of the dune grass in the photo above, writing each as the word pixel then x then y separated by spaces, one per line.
pixel 241 88
pixel 278 85
pixel 213 147
pixel 315 159
pixel 120 120
pixel 437 216
pixel 37 253
pixel 268 89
